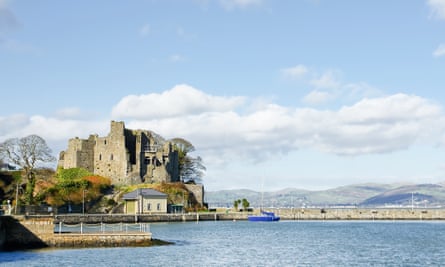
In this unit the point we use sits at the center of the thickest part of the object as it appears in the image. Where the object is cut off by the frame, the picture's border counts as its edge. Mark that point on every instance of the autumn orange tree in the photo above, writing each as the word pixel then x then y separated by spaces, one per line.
pixel 75 185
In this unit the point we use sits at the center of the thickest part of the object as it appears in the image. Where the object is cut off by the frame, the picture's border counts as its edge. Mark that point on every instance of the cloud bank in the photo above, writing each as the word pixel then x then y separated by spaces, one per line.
pixel 226 128
pixel 220 129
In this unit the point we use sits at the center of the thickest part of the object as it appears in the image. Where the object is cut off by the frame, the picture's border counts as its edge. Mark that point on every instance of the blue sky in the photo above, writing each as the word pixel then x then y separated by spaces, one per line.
pixel 296 93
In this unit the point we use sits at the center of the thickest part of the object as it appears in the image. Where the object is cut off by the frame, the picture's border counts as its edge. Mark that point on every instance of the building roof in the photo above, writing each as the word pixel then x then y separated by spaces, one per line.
pixel 144 192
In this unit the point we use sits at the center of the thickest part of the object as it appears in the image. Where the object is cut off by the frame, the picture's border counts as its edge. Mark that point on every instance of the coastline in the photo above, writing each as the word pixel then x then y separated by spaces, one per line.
pixel 40 231
pixel 222 214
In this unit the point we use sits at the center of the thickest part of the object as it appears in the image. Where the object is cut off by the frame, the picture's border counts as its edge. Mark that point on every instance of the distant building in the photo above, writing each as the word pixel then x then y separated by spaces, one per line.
pixel 126 156
pixel 145 200
pixel 7 167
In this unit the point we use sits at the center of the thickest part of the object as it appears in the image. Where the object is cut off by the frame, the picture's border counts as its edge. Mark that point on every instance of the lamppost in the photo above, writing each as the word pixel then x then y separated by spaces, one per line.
pixel 83 201
pixel 9 207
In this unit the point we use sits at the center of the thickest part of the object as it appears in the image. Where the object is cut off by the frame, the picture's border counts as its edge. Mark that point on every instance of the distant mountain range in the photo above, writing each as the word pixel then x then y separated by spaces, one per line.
pixel 363 195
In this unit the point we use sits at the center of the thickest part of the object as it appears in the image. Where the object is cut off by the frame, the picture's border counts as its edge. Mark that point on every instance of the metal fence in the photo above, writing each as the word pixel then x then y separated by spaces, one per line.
pixel 101 228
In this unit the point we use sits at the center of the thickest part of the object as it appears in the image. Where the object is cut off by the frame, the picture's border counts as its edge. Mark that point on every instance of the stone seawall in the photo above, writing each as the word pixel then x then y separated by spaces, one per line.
pixel 362 214
pixel 38 232
pixel 146 218
pixel 101 240
pixel 284 213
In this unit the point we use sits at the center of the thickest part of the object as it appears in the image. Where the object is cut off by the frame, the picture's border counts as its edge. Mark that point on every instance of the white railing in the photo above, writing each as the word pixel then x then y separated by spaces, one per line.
pixel 102 228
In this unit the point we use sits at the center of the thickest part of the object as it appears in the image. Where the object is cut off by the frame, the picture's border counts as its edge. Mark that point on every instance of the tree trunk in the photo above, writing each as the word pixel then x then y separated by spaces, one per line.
pixel 30 185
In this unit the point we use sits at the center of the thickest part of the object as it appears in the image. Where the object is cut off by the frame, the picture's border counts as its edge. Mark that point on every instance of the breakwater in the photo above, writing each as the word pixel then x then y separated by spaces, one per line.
pixel 284 213
pixel 361 214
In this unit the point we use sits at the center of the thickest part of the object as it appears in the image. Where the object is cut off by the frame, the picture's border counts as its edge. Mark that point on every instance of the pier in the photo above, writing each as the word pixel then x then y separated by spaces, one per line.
pixel 20 232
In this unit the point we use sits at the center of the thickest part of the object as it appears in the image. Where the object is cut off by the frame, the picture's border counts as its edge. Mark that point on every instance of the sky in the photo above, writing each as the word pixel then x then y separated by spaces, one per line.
pixel 310 94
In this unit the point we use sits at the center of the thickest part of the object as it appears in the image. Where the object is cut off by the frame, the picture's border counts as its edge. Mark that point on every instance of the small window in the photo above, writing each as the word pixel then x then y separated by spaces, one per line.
pixel 100 156
pixel 159 206
pixel 111 157
pixel 105 142
pixel 148 206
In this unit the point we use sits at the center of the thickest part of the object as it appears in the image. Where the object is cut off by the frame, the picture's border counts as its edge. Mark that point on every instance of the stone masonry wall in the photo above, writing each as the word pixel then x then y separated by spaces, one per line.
pixel 126 156
pixel 31 233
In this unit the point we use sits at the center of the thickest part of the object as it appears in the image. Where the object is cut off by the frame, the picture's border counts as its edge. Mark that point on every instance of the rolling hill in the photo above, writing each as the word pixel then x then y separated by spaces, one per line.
pixel 365 195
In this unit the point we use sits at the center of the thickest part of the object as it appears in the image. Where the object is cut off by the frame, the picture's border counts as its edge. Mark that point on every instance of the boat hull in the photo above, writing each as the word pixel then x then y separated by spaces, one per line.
pixel 264 217
pixel 261 218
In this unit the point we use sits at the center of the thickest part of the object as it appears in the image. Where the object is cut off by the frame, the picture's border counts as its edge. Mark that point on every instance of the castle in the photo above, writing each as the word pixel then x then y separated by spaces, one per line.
pixel 124 155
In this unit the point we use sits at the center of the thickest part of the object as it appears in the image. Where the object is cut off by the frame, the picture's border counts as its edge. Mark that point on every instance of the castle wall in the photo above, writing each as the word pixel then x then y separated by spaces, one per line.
pixel 126 156
pixel 110 155
pixel 80 153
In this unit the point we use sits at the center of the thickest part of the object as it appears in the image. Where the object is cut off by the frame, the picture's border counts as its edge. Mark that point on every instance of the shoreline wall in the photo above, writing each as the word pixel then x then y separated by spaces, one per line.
pixel 361 214
pixel 30 232
pixel 38 232
pixel 285 214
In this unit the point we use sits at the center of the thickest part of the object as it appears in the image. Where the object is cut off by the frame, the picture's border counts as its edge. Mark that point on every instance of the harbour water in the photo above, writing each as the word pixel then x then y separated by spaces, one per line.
pixel 284 243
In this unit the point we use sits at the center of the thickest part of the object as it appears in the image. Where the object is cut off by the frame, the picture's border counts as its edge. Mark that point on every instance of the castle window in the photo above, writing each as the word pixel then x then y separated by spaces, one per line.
pixel 105 142
pixel 100 156
pixel 111 157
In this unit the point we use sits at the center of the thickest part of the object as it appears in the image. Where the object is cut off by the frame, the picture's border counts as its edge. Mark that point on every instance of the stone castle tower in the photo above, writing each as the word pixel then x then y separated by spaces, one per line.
pixel 126 156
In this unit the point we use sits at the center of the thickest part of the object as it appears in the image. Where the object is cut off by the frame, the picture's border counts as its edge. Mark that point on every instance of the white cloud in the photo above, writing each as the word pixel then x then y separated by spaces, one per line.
pixel 221 133
pixel 232 4
pixel 182 99
pixel 440 51
pixel 327 80
pixel 68 112
pixel 11 124
pixel 437 8
pixel 55 131
pixel 328 86
pixel 145 30
pixel 296 72
pixel 317 97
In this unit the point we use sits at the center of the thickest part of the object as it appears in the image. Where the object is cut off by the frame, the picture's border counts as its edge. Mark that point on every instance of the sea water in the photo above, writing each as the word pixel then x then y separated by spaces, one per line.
pixel 284 243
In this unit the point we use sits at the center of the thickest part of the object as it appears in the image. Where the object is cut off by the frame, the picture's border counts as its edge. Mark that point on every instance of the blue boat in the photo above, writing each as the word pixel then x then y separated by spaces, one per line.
pixel 263 217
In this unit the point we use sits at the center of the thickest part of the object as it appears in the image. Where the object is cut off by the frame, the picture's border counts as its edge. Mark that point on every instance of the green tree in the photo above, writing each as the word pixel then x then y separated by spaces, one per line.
pixel 27 153
pixel 190 168
pixel 75 185
pixel 245 204
pixel 236 204
pixel 69 184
